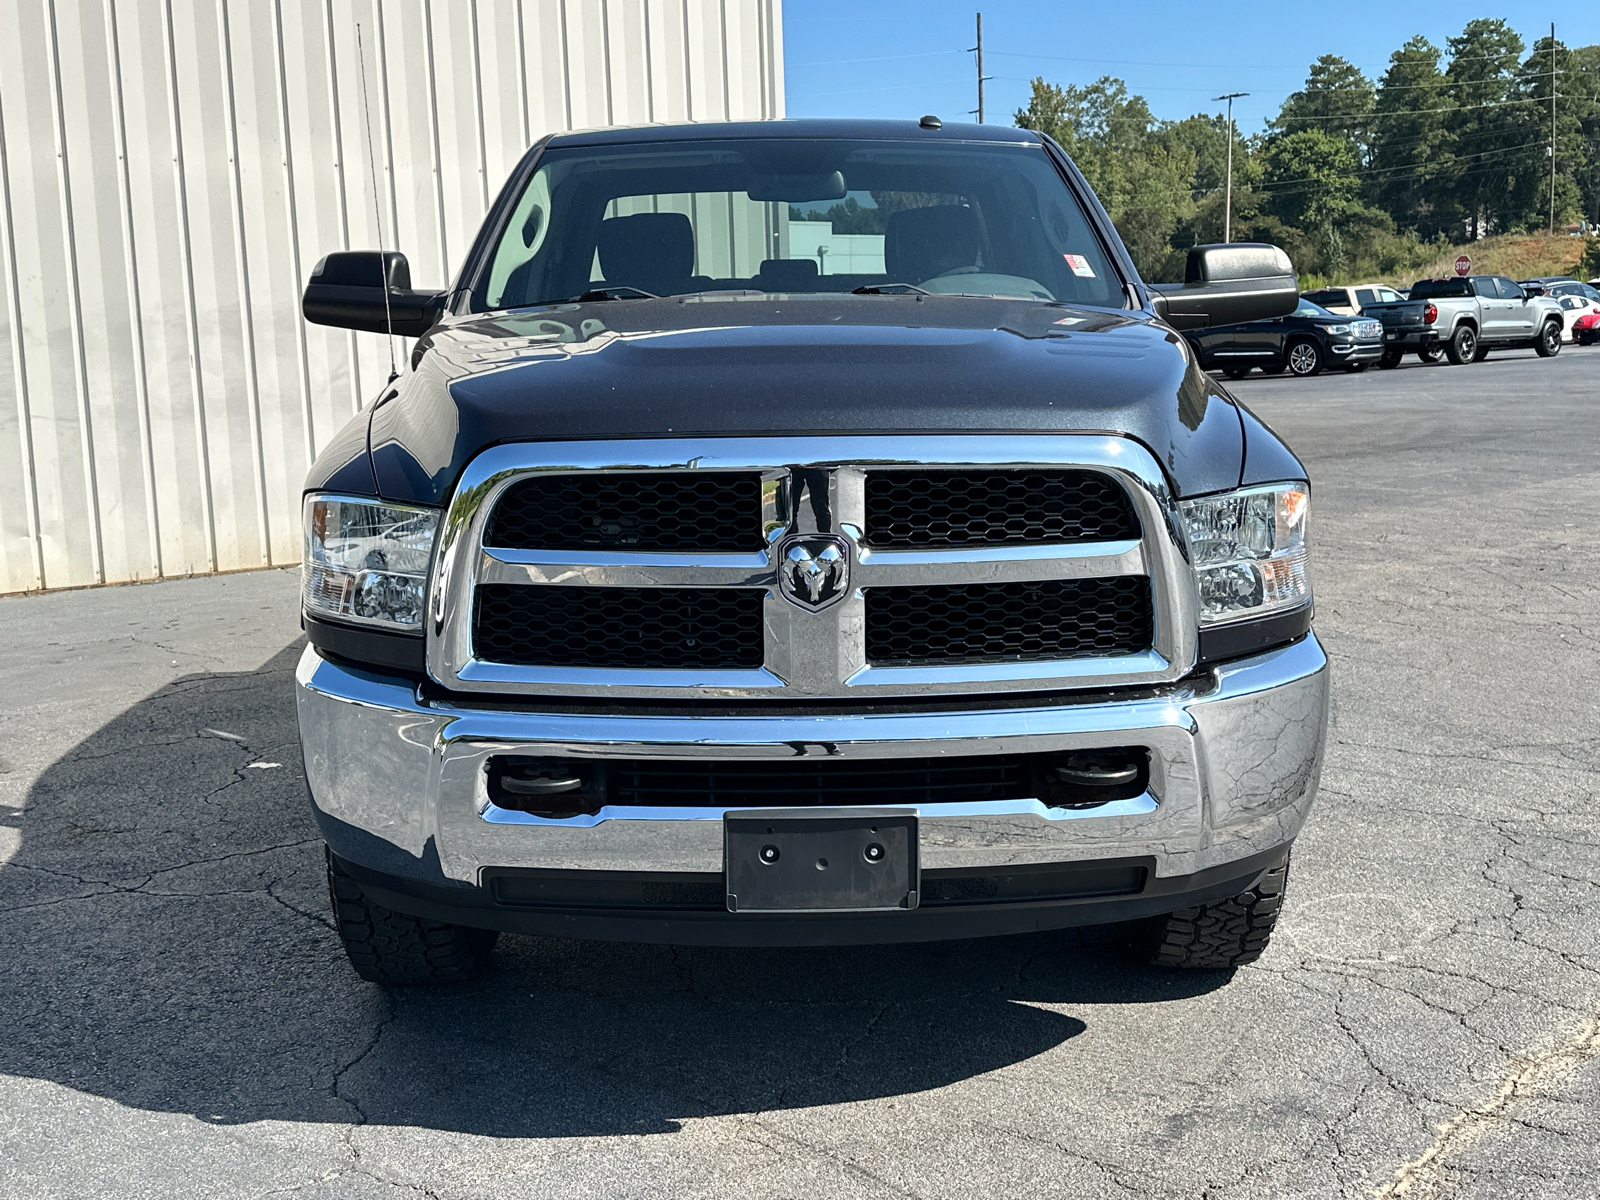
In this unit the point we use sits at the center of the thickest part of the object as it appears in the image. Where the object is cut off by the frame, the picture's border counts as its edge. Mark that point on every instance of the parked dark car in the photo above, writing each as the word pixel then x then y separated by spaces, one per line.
pixel 1305 342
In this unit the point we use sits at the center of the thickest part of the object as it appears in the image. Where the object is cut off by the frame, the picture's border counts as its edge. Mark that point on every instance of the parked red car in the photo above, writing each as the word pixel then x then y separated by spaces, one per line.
pixel 1586 329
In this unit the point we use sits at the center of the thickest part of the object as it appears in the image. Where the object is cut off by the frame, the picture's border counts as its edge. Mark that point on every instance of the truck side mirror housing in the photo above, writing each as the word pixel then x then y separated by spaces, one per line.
pixel 369 290
pixel 1228 284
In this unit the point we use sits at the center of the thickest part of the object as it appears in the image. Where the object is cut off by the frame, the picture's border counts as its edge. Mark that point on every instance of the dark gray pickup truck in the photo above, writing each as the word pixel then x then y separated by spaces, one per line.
pixel 707 576
pixel 1409 326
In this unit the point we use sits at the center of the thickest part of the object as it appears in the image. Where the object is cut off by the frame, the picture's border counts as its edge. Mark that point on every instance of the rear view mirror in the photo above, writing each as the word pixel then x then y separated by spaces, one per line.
pixel 797 189
pixel 1227 284
pixel 371 291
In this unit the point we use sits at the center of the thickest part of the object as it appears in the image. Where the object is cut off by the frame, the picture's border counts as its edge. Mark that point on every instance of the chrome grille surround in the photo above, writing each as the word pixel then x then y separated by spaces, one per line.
pixel 811 485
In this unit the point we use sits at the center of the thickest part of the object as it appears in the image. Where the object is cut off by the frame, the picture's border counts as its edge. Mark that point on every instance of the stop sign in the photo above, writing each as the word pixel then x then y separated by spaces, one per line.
pixel 1463 265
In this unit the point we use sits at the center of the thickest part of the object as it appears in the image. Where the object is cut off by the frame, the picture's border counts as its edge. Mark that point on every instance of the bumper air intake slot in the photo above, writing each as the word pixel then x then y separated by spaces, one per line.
pixel 556 788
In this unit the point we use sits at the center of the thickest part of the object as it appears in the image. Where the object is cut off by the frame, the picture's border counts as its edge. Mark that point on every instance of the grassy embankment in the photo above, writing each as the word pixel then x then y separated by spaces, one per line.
pixel 1521 256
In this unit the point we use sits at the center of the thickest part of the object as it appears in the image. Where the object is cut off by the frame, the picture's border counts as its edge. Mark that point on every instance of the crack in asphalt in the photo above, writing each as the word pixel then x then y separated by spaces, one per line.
pixel 1424 1177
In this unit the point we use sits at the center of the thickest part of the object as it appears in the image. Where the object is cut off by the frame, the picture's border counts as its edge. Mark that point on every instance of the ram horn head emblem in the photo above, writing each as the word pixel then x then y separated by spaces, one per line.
pixel 814 571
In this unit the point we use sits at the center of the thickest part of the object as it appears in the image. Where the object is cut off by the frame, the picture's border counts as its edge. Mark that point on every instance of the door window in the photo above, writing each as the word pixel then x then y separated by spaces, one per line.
pixel 1484 287
pixel 1508 290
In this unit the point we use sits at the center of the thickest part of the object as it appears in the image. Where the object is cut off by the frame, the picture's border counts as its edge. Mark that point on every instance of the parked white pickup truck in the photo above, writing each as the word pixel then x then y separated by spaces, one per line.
pixel 1480 313
pixel 1350 301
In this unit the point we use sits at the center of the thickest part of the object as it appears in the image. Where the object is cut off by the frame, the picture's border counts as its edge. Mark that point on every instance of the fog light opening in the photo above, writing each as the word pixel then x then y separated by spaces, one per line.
pixel 1090 778
pixel 545 787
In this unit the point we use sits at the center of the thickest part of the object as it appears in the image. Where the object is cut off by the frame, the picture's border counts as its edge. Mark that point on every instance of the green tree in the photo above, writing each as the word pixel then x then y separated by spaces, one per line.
pixel 1143 181
pixel 1311 180
pixel 1337 100
pixel 1572 105
pixel 1413 160
pixel 1579 88
pixel 1488 126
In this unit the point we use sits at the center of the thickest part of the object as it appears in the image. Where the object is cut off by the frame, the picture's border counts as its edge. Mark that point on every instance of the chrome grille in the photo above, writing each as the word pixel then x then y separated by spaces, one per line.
pixel 1048 597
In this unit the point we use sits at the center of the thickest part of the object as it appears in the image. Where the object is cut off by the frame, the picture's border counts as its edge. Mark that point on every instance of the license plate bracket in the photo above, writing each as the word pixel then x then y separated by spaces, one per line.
pixel 820 860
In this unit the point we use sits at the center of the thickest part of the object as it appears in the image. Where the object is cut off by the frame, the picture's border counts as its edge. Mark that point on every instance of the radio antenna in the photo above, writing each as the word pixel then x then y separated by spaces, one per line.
pixel 377 209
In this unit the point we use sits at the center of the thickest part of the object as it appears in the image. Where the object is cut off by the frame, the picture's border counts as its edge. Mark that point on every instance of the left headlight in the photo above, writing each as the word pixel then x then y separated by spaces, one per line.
pixel 1249 553
pixel 366 562
pixel 1336 329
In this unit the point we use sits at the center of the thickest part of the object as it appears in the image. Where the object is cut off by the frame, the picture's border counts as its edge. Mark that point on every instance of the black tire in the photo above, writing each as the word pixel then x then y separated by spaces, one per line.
pixel 1304 357
pixel 1430 355
pixel 398 949
pixel 1390 360
pixel 1222 934
pixel 1236 372
pixel 1355 368
pixel 1481 353
pixel 1462 347
pixel 1274 368
pixel 1548 343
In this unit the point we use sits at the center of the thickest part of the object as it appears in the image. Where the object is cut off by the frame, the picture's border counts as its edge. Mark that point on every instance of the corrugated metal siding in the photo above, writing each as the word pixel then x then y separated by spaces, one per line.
pixel 171 169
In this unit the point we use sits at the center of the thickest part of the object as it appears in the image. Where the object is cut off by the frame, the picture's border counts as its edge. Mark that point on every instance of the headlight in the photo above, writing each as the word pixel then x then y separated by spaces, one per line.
pixel 366 562
pixel 1336 329
pixel 1248 550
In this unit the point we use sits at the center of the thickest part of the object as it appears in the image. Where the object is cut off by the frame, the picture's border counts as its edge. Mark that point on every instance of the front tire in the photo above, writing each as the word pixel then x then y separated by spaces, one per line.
pixel 1236 372
pixel 1428 356
pixel 1220 935
pixel 1390 360
pixel 1305 358
pixel 1355 368
pixel 1548 344
pixel 1462 347
pixel 398 949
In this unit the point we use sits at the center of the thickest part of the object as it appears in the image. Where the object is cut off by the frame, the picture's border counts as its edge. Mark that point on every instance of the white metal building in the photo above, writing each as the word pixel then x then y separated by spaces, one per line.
pixel 170 170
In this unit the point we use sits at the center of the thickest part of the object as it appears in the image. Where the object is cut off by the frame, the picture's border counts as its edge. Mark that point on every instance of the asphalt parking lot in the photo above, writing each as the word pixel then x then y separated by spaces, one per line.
pixel 180 1021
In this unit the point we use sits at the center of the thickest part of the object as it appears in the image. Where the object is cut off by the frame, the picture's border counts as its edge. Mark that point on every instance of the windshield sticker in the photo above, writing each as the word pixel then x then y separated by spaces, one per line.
pixel 1080 265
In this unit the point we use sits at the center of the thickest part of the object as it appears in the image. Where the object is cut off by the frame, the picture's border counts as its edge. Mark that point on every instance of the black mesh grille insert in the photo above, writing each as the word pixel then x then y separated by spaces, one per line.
pixel 1052 618
pixel 671 511
pixel 798 783
pixel 986 508
pixel 617 627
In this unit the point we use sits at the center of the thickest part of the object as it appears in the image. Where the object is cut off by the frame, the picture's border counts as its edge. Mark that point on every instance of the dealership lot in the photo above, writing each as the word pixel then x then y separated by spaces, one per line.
pixel 180 1019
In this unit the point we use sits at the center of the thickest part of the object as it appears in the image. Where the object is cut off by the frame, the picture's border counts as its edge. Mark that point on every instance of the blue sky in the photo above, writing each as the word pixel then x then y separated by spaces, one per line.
pixel 882 58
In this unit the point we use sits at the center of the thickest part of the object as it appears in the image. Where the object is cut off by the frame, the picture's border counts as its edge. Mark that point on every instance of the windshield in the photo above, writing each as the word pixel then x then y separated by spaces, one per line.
pixel 796 215
pixel 1315 312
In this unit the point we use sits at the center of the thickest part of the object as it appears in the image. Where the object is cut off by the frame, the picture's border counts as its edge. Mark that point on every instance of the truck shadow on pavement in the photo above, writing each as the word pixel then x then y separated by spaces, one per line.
pixel 165 945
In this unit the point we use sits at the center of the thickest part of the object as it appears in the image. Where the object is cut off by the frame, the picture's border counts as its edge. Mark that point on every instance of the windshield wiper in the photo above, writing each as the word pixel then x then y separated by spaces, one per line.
pixel 612 293
pixel 889 289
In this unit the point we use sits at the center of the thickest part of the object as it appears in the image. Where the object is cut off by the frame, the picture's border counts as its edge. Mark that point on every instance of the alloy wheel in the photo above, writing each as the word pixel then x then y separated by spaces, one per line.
pixel 1303 358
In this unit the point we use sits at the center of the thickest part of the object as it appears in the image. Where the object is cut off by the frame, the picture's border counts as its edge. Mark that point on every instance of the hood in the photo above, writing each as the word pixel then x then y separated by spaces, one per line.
pixel 773 365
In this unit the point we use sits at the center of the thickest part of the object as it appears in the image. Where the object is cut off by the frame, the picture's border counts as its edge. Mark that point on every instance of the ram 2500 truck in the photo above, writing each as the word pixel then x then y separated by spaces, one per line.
pixel 705 578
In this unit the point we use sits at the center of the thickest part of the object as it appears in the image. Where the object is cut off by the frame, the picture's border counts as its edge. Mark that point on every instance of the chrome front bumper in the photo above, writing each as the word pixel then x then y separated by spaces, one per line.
pixel 400 784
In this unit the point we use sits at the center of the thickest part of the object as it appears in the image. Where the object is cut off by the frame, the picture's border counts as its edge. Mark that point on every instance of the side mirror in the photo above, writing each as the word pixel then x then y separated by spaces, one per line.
pixel 1229 284
pixel 369 290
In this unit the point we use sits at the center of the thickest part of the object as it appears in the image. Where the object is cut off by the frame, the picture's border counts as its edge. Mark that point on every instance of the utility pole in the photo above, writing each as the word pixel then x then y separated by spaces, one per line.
pixel 1227 195
pixel 982 78
pixel 1552 127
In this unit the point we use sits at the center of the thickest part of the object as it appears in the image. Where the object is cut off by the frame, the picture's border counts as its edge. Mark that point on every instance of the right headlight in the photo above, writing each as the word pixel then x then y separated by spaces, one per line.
pixel 1248 550
pixel 366 562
